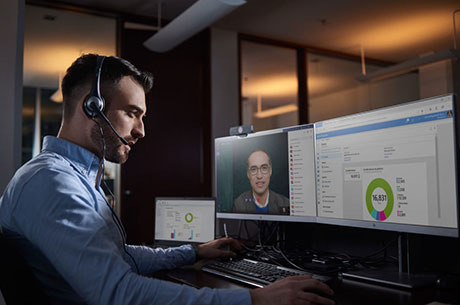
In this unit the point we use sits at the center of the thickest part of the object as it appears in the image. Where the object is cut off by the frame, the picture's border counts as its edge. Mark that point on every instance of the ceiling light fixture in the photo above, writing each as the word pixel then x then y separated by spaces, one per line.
pixel 200 15
pixel 262 114
pixel 276 111
pixel 413 64
pixel 409 65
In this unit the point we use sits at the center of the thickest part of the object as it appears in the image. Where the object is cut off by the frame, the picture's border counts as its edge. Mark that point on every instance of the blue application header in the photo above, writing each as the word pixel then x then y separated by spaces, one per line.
pixel 388 124
pixel 307 126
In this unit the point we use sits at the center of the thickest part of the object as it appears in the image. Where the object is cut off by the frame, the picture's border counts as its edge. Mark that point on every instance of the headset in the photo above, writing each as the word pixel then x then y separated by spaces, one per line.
pixel 93 105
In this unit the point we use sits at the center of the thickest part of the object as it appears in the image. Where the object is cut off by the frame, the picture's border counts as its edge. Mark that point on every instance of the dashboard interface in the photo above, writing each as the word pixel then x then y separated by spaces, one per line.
pixel 394 165
pixel 184 220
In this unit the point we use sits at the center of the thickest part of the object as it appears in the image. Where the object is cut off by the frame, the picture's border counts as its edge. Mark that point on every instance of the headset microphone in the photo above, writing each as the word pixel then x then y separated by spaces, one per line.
pixel 94 103
pixel 93 106
pixel 106 120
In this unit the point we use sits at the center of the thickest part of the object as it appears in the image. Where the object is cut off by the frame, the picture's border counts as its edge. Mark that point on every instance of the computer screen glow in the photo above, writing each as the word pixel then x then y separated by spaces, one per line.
pixel 184 220
pixel 393 168
pixel 267 175
pixel 395 165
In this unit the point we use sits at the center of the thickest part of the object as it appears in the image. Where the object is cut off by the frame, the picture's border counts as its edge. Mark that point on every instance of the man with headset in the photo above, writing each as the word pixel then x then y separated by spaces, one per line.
pixel 56 215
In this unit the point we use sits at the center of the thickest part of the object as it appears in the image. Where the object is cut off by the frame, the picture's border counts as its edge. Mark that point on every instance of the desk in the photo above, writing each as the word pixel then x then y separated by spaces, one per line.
pixel 348 292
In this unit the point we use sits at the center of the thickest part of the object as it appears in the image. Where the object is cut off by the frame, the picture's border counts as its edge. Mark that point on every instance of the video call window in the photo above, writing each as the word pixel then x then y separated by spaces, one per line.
pixel 268 173
pixel 254 175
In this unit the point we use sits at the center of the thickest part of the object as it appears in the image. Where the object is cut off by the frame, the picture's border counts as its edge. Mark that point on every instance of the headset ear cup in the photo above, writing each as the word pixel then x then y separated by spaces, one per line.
pixel 93 105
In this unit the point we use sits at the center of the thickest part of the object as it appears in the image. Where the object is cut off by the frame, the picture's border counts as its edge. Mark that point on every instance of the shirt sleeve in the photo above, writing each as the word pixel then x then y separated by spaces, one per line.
pixel 149 260
pixel 56 213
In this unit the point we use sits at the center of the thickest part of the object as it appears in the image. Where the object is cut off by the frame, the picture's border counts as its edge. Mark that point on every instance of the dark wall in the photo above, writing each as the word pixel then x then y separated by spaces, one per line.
pixel 174 159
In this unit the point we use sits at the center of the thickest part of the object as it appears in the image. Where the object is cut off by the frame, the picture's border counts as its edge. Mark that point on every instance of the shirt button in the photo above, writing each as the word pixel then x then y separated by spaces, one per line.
pixel 85 171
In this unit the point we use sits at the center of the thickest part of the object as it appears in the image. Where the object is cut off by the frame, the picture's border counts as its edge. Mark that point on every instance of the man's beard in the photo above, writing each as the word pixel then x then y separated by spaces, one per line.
pixel 112 144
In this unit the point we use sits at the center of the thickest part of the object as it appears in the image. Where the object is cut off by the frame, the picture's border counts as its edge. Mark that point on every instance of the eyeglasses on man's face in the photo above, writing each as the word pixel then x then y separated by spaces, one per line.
pixel 264 169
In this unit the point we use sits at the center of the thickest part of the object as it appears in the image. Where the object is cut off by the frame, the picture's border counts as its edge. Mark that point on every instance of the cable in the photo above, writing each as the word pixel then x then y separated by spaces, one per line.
pixel 247 231
pixel 115 218
pixel 367 264
pixel 275 229
pixel 336 262
pixel 288 260
pixel 239 229
pixel 385 247
pixel 259 225
pixel 270 257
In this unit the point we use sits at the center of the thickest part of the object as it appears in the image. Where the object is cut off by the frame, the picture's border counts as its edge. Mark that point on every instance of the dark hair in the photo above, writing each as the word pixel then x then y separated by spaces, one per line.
pixel 80 75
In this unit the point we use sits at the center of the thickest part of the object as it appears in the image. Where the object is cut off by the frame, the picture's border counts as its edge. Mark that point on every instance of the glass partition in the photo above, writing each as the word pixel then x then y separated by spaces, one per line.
pixel 334 91
pixel 53 39
pixel 269 86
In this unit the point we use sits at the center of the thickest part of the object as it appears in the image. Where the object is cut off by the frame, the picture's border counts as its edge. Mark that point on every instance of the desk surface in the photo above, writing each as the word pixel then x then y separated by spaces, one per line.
pixel 348 292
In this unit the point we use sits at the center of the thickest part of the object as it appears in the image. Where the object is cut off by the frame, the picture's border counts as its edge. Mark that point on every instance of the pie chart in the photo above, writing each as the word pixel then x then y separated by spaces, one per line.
pixel 379 199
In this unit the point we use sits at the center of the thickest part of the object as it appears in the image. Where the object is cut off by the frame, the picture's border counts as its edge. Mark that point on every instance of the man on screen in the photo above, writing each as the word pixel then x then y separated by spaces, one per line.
pixel 260 199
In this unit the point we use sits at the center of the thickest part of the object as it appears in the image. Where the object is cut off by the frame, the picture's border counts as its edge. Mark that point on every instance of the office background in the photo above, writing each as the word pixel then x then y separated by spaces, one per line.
pixel 215 80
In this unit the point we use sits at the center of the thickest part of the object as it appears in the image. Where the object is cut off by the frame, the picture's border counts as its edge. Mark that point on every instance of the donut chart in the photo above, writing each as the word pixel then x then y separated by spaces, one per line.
pixel 189 217
pixel 377 185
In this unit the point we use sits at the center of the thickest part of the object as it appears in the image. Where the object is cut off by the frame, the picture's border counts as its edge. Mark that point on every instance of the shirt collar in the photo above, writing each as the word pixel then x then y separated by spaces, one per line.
pixel 83 160
pixel 260 205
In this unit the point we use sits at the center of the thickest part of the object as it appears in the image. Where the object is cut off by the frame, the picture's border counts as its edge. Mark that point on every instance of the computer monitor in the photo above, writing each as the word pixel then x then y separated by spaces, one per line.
pixel 392 169
pixel 267 175
pixel 184 220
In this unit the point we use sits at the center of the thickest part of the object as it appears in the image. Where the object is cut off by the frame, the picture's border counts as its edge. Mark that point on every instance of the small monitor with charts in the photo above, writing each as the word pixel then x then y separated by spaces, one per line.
pixel 184 220
pixel 393 168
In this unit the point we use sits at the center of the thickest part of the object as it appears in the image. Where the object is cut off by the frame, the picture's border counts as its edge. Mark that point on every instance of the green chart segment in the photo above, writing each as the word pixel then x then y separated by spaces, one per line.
pixel 189 217
pixel 385 213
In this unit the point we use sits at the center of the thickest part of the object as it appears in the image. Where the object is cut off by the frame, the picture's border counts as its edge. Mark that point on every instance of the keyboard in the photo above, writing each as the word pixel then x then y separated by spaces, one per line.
pixel 256 273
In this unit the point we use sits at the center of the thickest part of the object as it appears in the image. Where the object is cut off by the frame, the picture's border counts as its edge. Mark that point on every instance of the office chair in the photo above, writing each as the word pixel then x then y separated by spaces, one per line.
pixel 17 283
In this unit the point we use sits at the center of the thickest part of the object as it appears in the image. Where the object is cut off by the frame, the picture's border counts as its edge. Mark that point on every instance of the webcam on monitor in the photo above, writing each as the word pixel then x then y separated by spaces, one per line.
pixel 242 130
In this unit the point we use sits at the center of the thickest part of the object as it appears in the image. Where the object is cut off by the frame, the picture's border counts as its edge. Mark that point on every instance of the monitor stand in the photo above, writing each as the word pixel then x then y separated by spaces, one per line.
pixel 401 277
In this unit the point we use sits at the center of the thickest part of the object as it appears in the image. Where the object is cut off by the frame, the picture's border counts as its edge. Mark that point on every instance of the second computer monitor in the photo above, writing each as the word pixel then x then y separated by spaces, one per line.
pixel 393 168
pixel 267 176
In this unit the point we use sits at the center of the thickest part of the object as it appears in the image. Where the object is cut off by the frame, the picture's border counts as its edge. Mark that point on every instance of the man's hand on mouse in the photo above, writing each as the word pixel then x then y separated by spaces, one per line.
pixel 222 247
pixel 292 291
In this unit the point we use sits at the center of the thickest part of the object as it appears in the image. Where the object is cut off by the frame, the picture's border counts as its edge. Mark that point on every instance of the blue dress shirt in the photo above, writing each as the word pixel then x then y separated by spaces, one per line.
pixel 55 213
